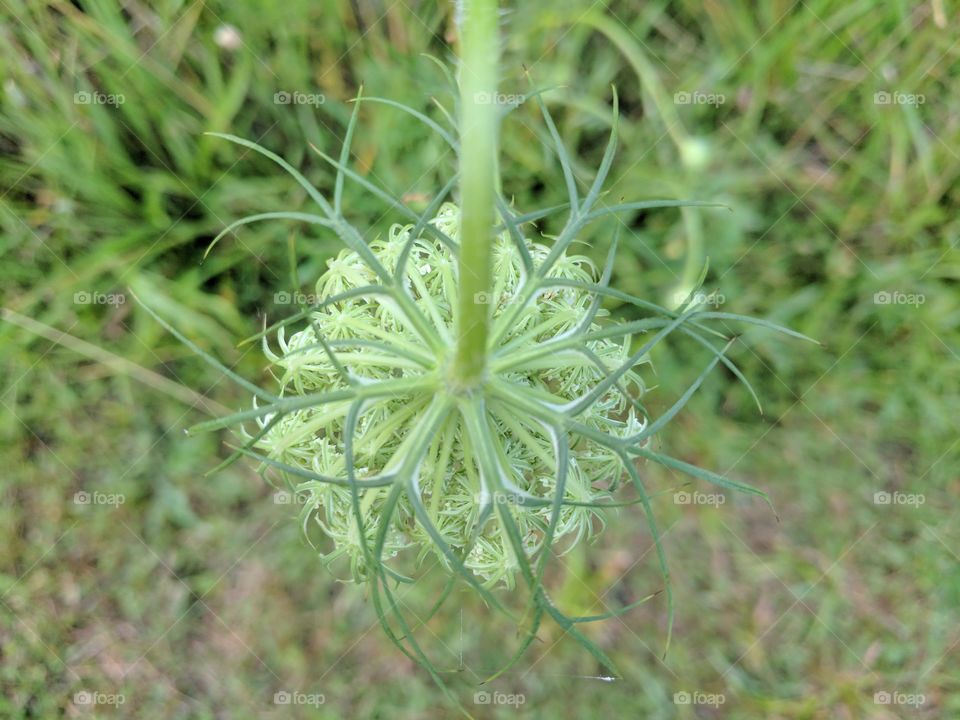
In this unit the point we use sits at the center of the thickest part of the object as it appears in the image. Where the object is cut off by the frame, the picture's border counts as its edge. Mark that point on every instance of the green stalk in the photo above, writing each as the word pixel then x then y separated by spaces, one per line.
pixel 478 150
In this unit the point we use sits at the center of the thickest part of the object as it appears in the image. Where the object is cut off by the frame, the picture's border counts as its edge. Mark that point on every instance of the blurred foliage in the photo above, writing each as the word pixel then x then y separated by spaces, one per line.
pixel 198 598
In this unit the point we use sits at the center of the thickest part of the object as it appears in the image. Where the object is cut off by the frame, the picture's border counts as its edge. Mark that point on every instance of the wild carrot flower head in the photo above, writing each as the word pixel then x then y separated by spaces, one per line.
pixel 394 456
pixel 375 342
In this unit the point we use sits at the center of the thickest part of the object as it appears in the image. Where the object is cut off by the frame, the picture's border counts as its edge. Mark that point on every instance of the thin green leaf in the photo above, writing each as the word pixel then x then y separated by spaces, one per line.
pixel 700 473
pixel 345 154
pixel 561 150
pixel 607 160
pixel 302 217
pixel 429 122
pixel 345 231
pixel 393 202
pixel 207 357
pixel 657 540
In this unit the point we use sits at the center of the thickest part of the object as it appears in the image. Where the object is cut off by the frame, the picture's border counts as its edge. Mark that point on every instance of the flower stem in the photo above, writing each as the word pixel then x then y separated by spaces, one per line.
pixel 478 151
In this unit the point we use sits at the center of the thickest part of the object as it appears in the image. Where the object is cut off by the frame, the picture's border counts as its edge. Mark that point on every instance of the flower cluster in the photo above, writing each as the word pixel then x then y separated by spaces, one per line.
pixel 368 339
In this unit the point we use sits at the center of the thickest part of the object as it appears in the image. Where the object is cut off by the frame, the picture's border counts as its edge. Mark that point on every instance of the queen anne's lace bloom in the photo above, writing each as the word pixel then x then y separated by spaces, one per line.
pixel 359 330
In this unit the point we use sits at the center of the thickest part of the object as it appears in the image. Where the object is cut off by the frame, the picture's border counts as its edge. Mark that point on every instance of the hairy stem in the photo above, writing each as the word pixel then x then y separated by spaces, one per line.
pixel 478 150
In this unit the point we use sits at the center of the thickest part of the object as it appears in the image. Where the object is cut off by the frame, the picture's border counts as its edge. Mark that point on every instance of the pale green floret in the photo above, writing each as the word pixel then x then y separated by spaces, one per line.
pixel 448 478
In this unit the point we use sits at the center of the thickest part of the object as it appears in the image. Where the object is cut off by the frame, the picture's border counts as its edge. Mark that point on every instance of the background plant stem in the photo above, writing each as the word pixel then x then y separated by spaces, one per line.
pixel 479 51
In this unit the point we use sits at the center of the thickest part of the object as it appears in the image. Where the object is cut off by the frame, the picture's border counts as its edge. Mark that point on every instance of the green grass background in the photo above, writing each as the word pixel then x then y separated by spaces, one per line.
pixel 198 598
